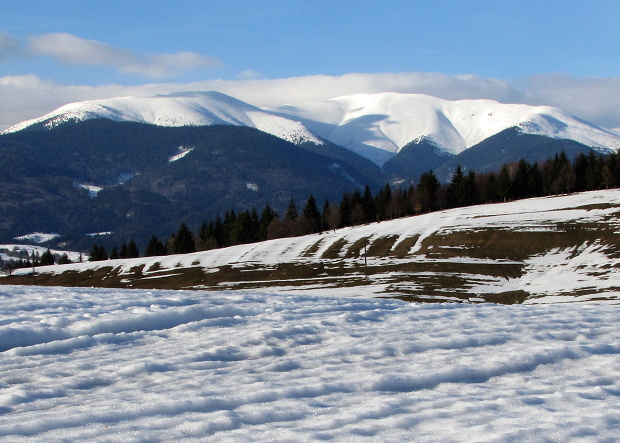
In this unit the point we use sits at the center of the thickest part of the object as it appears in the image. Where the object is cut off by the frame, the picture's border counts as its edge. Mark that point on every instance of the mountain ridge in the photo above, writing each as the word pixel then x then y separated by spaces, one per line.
pixel 375 126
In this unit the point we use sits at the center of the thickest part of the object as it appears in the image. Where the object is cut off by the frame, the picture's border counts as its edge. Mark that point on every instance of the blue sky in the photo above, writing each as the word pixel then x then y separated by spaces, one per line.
pixel 561 53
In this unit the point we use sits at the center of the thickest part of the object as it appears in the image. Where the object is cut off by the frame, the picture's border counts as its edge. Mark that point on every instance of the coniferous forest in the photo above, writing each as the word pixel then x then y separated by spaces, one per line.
pixel 518 180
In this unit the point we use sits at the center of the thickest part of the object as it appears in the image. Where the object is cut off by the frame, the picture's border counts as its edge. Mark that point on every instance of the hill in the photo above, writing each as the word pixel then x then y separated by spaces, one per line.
pixel 532 251
pixel 135 180
pixel 132 167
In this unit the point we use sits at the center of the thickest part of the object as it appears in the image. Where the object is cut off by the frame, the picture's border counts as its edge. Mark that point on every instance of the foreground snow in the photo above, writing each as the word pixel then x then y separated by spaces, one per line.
pixel 171 365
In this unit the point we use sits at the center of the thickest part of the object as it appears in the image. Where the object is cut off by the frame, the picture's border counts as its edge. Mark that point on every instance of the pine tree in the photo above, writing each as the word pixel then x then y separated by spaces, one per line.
pixel 155 247
pixel 64 259
pixel 427 192
pixel 184 241
pixel 47 258
pixel 312 215
pixel 291 211
pixel 132 249
pixel 98 253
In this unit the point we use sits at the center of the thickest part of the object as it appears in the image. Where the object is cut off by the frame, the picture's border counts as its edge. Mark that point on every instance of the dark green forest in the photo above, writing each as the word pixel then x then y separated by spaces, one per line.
pixel 514 181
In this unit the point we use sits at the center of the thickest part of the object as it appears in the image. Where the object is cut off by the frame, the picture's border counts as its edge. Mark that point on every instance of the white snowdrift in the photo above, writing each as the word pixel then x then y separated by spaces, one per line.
pixel 125 365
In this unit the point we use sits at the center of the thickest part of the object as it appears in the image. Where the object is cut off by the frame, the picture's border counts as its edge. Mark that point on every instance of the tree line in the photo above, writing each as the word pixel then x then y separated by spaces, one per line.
pixel 24 259
pixel 517 180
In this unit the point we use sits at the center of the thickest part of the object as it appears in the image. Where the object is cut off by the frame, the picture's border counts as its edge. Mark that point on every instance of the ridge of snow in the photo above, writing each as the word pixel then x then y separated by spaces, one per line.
pixel 375 126
pixel 179 109
pixel 389 121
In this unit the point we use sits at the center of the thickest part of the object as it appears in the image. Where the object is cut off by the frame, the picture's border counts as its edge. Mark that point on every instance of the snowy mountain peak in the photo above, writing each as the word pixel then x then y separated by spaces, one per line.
pixel 178 109
pixel 379 125
pixel 376 126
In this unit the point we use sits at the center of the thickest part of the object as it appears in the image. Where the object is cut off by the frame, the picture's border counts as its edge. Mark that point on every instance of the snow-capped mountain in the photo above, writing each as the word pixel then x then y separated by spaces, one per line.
pixel 376 126
pixel 179 109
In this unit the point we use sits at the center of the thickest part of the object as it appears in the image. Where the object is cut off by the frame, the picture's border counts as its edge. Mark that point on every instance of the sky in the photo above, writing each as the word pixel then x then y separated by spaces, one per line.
pixel 556 52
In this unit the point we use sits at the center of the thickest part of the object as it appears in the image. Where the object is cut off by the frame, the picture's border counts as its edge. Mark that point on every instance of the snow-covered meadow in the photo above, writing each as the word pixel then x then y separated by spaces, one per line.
pixel 136 365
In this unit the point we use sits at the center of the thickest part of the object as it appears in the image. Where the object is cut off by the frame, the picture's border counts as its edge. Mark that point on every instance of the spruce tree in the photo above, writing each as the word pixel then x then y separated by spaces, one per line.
pixel 98 253
pixel 132 249
pixel 312 215
pixel 266 216
pixel 504 183
pixel 155 247
pixel 291 211
pixel 369 206
pixel 64 259
pixel 47 258
pixel 184 241
pixel 427 191
pixel 345 211
pixel 114 253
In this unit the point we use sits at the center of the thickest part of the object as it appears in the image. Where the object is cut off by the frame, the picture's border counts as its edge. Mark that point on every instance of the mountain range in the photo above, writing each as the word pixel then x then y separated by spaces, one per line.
pixel 376 126
pixel 144 163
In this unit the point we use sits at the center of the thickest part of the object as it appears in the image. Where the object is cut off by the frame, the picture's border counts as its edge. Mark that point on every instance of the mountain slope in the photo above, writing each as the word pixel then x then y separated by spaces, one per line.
pixel 534 251
pixel 376 126
pixel 380 125
pixel 179 109
pixel 150 178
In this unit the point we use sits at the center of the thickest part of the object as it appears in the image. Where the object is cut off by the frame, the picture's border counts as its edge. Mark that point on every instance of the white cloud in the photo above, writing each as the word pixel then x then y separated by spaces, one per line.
pixel 594 100
pixel 70 49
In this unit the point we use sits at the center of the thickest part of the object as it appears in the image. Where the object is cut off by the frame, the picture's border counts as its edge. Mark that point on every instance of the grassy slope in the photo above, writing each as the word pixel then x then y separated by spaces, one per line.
pixel 532 250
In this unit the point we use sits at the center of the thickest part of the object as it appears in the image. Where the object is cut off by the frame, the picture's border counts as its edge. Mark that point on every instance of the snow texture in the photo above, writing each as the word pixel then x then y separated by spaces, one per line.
pixel 130 365
pixel 375 126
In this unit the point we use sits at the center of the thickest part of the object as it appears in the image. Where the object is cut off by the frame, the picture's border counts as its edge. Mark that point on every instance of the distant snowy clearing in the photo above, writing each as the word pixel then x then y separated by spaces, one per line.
pixel 135 365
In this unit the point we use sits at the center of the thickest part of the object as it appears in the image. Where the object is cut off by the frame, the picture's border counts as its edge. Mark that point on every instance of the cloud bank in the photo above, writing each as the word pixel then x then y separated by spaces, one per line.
pixel 29 96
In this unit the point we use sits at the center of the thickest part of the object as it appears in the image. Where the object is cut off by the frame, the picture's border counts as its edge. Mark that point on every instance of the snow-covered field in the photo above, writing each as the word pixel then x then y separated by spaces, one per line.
pixel 586 268
pixel 133 365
